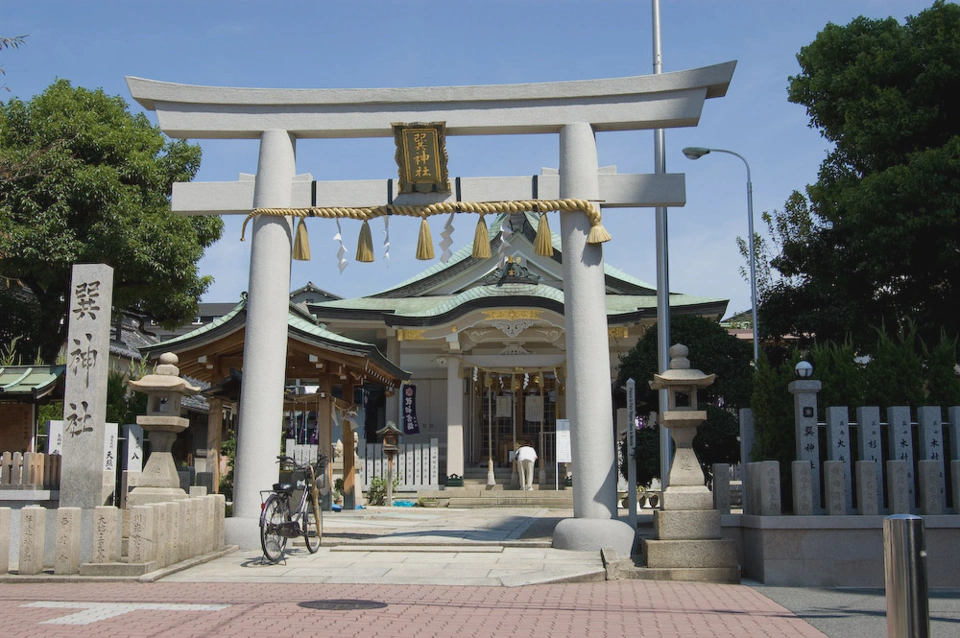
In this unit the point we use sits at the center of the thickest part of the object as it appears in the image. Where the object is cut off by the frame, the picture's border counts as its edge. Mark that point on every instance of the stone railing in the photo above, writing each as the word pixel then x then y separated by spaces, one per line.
pixel 159 535
pixel 29 470
pixel 865 467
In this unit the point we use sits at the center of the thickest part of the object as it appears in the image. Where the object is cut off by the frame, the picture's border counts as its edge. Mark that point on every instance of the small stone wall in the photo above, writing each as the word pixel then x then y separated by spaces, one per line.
pixel 834 551
pixel 71 541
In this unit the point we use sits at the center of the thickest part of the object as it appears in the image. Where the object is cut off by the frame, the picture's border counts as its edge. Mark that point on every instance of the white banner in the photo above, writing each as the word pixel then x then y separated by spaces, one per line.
pixel 563 441
pixel 533 408
pixel 504 406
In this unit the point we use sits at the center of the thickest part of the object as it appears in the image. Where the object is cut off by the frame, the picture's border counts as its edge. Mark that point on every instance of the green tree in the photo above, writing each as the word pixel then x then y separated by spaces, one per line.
pixel 714 351
pixel 843 379
pixel 10 43
pixel 880 245
pixel 942 383
pixel 123 404
pixel 894 375
pixel 92 186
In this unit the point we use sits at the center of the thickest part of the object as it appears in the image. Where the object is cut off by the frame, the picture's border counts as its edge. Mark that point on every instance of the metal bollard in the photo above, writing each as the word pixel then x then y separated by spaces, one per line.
pixel 905 575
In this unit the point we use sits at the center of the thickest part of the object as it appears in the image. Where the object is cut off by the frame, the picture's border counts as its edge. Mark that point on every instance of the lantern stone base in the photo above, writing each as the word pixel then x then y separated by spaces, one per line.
pixel 594 534
pixel 686 525
pixel 729 575
pixel 691 553
pixel 687 498
pixel 687 546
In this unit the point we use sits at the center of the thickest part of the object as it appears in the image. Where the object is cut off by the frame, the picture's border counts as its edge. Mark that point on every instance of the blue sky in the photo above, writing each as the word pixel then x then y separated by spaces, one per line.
pixel 367 43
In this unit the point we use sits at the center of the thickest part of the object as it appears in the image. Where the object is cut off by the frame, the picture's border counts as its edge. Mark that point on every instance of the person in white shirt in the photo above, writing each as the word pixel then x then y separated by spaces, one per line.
pixel 526 457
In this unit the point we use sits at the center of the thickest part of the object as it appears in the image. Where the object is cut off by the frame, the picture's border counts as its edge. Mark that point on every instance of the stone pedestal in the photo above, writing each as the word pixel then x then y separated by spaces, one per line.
pixel 686 489
pixel 803 488
pixel 867 492
pixel 4 540
pixel 67 556
pixel 32 526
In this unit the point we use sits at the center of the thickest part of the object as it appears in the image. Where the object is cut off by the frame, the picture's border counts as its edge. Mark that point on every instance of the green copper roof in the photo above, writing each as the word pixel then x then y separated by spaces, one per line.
pixel 301 322
pixel 33 381
pixel 466 253
pixel 438 305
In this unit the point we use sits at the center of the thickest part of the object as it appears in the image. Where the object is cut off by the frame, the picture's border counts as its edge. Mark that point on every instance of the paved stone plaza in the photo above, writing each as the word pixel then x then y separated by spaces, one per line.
pixel 390 572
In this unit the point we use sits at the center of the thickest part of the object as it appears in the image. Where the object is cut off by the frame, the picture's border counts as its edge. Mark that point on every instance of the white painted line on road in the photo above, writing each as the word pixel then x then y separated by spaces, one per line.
pixel 92 612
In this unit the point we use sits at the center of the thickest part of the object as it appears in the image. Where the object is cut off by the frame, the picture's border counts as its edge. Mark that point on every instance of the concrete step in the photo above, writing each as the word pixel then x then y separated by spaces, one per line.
pixel 481 491
pixel 684 554
pixel 498 501
pixel 478 496
pixel 687 574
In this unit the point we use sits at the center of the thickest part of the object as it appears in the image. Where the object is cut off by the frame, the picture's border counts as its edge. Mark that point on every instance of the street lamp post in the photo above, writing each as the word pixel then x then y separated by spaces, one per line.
pixel 696 152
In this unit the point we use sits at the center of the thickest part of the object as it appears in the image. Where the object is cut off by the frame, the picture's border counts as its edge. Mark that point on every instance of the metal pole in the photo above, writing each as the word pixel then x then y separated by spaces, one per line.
pixel 753 269
pixel 905 575
pixel 389 498
pixel 632 452
pixel 663 266
pixel 491 477
pixel 697 152
pixel 752 256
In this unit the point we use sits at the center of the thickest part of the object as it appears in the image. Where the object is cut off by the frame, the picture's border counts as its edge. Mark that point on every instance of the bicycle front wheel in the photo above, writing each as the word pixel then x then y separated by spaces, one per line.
pixel 313 523
pixel 275 513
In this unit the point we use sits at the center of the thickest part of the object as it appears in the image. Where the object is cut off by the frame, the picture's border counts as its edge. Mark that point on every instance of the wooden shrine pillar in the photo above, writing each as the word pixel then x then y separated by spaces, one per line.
pixel 349 455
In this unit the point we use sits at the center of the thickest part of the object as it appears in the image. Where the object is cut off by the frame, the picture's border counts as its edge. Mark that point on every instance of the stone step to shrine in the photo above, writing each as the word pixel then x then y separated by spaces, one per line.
pixel 471 496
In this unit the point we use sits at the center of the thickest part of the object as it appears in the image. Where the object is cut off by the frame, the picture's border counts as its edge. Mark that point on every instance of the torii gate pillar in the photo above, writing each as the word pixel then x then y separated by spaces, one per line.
pixel 589 405
pixel 265 351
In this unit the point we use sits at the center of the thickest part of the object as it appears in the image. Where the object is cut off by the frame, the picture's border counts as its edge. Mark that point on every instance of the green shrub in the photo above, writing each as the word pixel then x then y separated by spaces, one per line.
pixel 377 493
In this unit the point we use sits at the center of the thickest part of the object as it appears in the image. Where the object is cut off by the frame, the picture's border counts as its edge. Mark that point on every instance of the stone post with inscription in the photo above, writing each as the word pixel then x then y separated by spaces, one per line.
pixel 85 395
pixel 804 393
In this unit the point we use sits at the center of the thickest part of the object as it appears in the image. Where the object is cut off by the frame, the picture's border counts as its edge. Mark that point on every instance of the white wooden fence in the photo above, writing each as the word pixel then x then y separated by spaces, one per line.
pixel 416 465
pixel 29 471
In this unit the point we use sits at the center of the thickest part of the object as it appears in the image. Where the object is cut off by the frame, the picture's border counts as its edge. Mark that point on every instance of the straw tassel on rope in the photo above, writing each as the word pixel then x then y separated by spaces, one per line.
pixel 425 241
pixel 481 240
pixel 365 244
pixel 598 234
pixel 301 242
pixel 544 242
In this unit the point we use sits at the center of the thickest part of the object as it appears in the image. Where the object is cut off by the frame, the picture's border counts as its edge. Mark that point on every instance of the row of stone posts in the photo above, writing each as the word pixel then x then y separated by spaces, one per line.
pixel 159 535
pixel 908 480
pixel 762 489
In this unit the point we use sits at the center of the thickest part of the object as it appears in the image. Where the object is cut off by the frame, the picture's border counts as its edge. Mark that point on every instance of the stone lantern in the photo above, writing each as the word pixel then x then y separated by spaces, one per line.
pixel 687 543
pixel 686 489
pixel 390 439
pixel 165 389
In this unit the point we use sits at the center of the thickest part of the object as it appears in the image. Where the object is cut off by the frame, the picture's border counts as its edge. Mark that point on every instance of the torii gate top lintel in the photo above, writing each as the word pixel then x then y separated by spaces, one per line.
pixel 666 100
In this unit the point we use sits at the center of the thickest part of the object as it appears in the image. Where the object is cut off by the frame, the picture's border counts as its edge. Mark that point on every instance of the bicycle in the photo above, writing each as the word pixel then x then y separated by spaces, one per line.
pixel 280 520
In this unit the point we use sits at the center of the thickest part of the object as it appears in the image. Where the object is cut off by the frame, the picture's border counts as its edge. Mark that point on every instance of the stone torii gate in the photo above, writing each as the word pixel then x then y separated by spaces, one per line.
pixel 574 110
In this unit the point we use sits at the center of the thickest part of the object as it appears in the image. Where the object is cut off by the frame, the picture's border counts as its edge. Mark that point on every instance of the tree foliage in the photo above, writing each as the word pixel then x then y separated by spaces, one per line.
pixel 90 183
pixel 712 350
pixel 772 406
pixel 874 241
pixel 10 43
pixel 943 386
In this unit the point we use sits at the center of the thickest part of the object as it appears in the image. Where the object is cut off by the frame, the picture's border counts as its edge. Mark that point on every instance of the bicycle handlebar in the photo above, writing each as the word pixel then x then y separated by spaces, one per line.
pixel 283 458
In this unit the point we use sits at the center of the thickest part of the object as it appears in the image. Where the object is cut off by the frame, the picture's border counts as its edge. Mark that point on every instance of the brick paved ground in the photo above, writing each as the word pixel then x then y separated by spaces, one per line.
pixel 613 608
